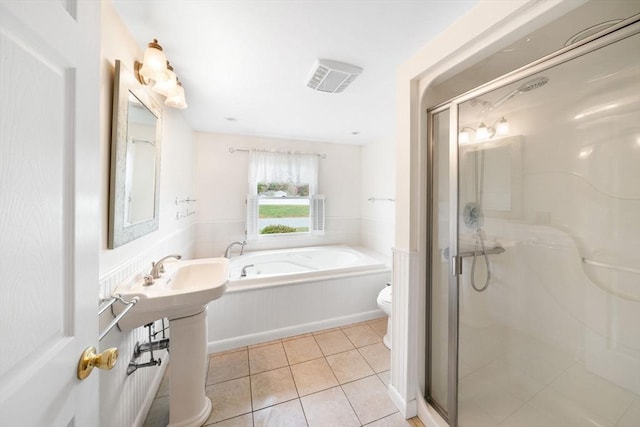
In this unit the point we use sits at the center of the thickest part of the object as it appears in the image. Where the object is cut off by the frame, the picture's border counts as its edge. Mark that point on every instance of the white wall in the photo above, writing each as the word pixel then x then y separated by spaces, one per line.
pixel 221 187
pixel 123 398
pixel 377 231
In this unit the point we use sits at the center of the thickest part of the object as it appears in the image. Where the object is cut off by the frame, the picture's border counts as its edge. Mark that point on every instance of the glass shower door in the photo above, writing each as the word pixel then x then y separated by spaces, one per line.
pixel 440 277
pixel 548 238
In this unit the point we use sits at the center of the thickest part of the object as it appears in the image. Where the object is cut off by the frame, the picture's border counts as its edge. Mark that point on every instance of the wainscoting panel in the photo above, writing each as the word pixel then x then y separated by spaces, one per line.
pixel 404 348
pixel 125 399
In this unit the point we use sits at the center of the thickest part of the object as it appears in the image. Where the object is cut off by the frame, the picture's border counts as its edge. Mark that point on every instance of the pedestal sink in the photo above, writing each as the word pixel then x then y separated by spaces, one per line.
pixel 181 294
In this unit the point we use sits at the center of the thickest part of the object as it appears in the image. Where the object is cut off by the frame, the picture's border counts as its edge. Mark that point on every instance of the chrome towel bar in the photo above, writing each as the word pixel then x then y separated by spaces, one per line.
pixel 466 254
pixel 107 305
pixel 114 298
pixel 492 251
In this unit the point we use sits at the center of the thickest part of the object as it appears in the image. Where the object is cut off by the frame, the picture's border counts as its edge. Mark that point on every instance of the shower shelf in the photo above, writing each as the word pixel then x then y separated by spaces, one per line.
pixel 611 266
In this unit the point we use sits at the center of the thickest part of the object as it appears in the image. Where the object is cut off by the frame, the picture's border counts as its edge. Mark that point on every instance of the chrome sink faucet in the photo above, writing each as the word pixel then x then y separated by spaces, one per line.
pixel 227 252
pixel 157 268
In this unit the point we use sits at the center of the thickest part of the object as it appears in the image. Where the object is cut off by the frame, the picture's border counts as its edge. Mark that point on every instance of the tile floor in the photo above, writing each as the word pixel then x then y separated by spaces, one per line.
pixel 336 377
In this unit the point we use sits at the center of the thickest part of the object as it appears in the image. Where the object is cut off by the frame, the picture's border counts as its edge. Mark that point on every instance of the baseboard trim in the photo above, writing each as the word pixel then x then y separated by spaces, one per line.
pixel 408 409
pixel 274 334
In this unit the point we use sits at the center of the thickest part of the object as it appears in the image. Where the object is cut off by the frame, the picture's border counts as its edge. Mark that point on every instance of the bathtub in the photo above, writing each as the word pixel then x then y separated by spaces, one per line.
pixel 288 266
pixel 292 291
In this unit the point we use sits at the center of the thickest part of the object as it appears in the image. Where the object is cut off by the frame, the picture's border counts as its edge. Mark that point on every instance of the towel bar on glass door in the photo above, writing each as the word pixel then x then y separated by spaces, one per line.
pixel 491 251
pixel 467 254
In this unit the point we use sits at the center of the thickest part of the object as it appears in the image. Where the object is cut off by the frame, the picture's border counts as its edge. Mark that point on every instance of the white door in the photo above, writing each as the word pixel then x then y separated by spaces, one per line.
pixel 49 222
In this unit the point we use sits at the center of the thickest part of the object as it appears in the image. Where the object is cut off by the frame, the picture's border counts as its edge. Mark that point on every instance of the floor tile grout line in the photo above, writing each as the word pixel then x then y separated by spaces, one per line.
pixel 304 413
pixel 310 360
pixel 250 388
pixel 382 418
pixel 345 336
pixel 358 379
pixel 351 405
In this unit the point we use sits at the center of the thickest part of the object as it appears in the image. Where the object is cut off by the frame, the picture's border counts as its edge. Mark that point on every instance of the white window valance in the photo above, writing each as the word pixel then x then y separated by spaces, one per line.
pixel 278 166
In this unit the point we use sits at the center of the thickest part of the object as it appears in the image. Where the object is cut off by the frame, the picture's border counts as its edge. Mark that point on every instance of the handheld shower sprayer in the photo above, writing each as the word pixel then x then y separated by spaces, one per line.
pixel 473 219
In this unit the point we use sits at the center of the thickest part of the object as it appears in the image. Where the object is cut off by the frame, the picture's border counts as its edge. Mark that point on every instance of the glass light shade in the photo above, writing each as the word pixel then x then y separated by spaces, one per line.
pixel 176 99
pixel 502 127
pixel 168 86
pixel 154 65
pixel 482 133
pixel 463 137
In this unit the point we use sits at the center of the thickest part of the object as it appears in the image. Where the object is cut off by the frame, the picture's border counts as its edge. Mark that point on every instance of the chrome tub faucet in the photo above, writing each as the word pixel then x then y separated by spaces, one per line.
pixel 243 273
pixel 227 252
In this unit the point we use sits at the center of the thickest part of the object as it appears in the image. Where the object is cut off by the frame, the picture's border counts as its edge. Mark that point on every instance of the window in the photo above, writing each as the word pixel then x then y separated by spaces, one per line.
pixel 282 196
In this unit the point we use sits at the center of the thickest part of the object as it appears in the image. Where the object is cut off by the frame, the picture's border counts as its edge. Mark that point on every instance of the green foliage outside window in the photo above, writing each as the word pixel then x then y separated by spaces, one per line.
pixel 283 203
pixel 292 190
pixel 284 211
pixel 277 229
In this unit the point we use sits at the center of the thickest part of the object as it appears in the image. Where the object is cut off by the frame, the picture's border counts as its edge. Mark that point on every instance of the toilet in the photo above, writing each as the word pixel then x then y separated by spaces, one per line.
pixel 384 302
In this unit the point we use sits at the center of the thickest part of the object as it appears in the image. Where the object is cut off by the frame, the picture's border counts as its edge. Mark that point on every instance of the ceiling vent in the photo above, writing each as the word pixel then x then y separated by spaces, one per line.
pixel 332 76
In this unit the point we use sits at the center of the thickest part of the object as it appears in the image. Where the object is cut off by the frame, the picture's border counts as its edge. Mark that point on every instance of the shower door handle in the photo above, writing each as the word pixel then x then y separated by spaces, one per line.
pixel 456 265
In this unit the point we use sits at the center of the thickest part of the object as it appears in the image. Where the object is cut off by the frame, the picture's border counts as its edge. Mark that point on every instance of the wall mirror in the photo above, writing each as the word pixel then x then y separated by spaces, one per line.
pixel 493 176
pixel 135 160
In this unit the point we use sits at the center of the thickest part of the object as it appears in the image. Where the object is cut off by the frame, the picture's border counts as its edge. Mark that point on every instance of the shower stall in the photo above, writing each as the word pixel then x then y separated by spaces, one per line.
pixel 534 259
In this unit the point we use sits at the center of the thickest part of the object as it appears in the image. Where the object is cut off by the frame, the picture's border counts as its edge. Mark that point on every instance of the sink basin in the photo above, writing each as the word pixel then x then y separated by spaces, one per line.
pixel 183 290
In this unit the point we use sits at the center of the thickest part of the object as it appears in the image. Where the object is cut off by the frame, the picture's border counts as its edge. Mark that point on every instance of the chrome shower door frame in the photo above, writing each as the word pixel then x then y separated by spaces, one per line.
pixel 620 31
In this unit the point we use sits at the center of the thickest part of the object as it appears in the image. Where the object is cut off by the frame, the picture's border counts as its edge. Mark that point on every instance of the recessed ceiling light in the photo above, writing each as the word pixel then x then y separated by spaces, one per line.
pixel 231 119
pixel 355 133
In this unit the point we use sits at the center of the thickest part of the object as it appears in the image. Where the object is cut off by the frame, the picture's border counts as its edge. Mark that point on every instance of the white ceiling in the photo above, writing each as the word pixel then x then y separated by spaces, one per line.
pixel 249 60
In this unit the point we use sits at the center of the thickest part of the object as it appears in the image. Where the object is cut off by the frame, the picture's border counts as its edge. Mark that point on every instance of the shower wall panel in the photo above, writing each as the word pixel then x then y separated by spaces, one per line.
pixel 554 339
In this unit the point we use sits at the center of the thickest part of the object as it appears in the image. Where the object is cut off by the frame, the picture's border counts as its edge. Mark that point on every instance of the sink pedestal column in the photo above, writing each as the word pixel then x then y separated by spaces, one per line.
pixel 188 404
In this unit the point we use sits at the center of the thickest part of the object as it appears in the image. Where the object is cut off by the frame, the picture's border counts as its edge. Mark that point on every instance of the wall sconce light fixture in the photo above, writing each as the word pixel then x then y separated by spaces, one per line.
pixel 156 70
pixel 167 86
pixel 153 66
pixel 484 132
pixel 176 98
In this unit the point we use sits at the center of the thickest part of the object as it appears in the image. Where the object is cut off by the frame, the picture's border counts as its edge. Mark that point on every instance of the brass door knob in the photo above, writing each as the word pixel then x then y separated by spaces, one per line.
pixel 89 360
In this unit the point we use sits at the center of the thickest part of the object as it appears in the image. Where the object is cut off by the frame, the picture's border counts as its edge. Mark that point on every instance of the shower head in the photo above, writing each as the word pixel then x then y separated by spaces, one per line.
pixel 527 86
pixel 533 84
